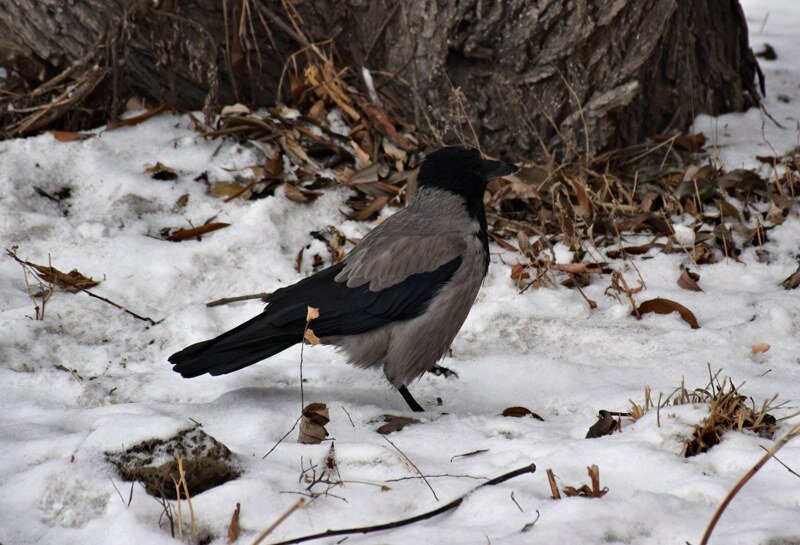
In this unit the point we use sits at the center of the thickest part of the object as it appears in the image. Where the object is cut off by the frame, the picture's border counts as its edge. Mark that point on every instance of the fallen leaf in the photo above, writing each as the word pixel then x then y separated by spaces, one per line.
pixel 183 234
pixel 182 201
pixel 72 281
pixel 225 189
pixel 381 122
pixel 519 272
pixel 367 175
pixel 688 280
pixel 666 306
pixel 690 142
pixel 309 335
pixel 581 268
pixel 759 348
pixel 233 527
pixel 768 159
pixel 372 208
pixel 135 120
pixel 395 423
pixel 742 180
pixel 296 194
pixel 775 214
pixel 67 136
pixel 502 243
pixel 313 420
pixel 725 241
pixel 728 211
pixel 605 425
pixel 235 109
pixel 317 111
pixel 792 281
pixel 768 53
pixel 160 171
pixel 632 250
pixel 519 412
pixel 703 255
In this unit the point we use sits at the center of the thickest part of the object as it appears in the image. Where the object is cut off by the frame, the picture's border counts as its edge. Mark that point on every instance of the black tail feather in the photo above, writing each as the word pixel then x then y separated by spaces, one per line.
pixel 245 345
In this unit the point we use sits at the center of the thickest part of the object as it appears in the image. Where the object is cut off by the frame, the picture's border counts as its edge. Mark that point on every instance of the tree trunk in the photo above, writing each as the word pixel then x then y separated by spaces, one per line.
pixel 528 77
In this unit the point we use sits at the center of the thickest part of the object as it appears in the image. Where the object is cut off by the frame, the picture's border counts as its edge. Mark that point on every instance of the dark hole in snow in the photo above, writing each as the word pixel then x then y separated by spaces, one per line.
pixel 154 463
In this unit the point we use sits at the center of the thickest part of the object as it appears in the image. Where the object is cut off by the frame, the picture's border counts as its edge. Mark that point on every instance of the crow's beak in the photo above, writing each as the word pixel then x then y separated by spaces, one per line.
pixel 495 169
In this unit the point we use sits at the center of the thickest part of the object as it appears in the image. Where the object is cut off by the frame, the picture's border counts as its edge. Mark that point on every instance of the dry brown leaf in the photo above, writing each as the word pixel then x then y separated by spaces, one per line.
pixel 225 189
pixel 742 180
pixel 233 528
pixel 309 335
pixel 502 243
pixel 372 208
pixel 792 281
pixel 327 84
pixel 317 111
pixel 183 234
pixel 605 425
pixel 580 268
pixel 519 272
pixel 667 306
pixel 182 201
pixel 381 122
pixel 159 171
pixel 395 423
pixel 135 120
pixel 519 412
pixel 72 281
pixel 234 109
pixel 67 136
pixel 768 159
pixel 367 175
pixel 703 255
pixel 760 348
pixel 728 211
pixel 296 194
pixel 689 142
pixel 274 166
pixel 688 280
pixel 313 420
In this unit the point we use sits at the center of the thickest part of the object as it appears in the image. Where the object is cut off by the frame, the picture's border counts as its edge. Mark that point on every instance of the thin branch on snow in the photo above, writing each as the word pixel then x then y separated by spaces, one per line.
pixel 779 444
pixel 411 520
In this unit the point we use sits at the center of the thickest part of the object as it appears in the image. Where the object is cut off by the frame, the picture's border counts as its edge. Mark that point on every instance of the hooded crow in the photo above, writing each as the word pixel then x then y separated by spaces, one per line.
pixel 397 300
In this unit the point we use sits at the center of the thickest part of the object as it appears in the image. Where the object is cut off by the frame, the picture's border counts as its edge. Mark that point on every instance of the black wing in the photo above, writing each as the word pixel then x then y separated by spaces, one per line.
pixel 349 311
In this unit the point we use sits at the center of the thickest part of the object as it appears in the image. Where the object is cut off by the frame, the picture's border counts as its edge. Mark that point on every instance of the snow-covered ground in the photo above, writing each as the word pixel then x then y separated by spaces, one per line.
pixel 544 349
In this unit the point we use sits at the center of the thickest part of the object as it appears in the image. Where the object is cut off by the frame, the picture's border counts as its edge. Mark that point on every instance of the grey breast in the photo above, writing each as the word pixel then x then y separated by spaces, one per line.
pixel 433 231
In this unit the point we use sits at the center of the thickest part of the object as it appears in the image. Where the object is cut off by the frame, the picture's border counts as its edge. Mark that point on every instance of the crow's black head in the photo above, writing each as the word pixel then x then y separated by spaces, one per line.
pixel 461 171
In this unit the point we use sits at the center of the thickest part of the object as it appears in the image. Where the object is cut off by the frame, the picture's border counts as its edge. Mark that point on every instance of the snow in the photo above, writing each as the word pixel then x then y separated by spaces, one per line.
pixel 544 349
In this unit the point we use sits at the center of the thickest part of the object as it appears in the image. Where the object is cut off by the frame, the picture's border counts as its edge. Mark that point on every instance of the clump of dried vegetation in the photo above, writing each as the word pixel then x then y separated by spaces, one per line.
pixel 728 410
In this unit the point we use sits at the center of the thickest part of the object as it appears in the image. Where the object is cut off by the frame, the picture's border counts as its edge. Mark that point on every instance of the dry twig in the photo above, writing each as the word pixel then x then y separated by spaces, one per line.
pixel 411 520
pixel 779 444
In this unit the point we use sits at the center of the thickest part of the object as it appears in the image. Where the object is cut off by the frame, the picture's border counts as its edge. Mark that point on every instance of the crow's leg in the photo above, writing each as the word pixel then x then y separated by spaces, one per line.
pixel 440 371
pixel 412 403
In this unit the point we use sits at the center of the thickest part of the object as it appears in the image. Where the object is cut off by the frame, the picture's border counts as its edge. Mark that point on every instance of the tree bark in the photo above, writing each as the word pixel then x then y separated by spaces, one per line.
pixel 525 77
